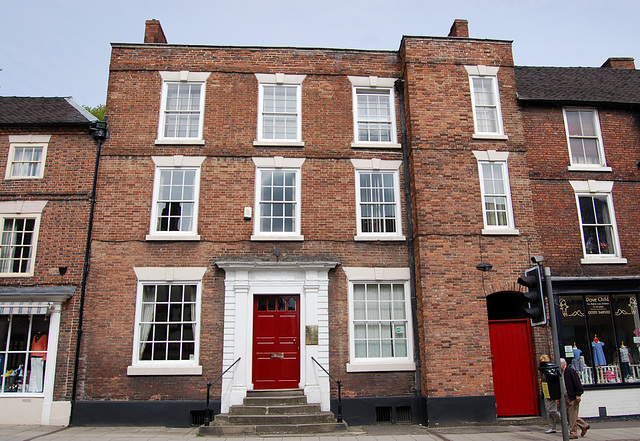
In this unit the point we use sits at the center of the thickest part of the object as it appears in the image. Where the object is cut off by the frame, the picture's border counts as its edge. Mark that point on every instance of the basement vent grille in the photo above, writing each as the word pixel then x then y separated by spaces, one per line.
pixel 403 414
pixel 383 414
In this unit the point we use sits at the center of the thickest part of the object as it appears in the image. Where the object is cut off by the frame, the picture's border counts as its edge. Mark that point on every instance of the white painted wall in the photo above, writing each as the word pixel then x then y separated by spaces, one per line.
pixel 617 401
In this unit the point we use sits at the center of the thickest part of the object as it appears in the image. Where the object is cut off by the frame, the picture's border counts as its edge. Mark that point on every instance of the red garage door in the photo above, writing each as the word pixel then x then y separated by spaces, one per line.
pixel 514 379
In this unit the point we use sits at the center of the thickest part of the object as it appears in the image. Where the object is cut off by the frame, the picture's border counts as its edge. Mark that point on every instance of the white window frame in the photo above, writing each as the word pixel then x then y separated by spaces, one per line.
pixel 603 189
pixel 279 79
pixel 496 158
pixel 164 276
pixel 491 73
pixel 360 275
pixel 280 164
pixel 27 141
pixel 382 86
pixel 182 77
pixel 167 163
pixel 602 165
pixel 376 165
pixel 24 210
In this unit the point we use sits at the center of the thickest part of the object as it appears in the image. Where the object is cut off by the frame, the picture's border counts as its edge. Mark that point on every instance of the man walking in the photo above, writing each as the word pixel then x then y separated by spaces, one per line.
pixel 573 391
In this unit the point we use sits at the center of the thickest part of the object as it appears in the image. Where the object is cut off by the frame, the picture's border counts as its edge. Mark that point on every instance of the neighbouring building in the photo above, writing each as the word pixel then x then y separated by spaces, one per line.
pixel 48 156
pixel 581 129
pixel 264 213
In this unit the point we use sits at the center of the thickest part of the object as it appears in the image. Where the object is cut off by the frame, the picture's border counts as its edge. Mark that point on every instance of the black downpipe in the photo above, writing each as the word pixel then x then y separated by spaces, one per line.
pixel 399 85
pixel 99 132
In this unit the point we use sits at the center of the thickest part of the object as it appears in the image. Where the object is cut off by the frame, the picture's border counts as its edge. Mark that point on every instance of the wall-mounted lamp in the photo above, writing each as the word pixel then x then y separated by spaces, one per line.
pixel 484 266
pixel 62 270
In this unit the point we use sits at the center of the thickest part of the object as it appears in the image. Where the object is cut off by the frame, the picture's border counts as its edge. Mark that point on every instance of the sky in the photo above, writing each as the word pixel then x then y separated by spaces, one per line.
pixel 62 47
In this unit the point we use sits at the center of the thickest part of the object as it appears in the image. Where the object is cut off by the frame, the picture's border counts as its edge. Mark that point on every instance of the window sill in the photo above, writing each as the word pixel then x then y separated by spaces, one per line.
pixel 16 274
pixel 603 261
pixel 381 367
pixel 490 136
pixel 363 238
pixel 16 178
pixel 164 370
pixel 586 168
pixel 500 232
pixel 376 145
pixel 179 141
pixel 275 237
pixel 278 143
pixel 173 238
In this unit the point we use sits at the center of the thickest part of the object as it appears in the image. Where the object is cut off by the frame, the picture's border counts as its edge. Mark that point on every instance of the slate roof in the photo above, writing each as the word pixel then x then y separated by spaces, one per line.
pixel 17 110
pixel 578 85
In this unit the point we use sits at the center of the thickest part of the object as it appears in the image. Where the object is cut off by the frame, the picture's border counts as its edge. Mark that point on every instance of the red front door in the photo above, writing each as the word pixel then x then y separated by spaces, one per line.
pixel 276 341
pixel 514 380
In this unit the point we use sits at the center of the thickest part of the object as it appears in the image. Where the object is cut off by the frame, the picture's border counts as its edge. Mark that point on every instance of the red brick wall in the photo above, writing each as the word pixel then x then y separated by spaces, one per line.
pixel 448 209
pixel 66 186
pixel 556 213
pixel 227 186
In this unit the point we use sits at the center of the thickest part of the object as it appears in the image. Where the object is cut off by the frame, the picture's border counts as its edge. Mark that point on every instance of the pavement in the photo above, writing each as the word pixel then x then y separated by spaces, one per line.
pixel 600 430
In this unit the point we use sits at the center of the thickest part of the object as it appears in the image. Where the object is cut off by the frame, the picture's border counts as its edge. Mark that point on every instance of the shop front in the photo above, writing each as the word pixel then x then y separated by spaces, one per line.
pixel 29 333
pixel 600 339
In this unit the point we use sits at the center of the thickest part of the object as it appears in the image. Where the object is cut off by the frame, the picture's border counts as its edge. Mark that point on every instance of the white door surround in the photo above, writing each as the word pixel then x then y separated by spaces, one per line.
pixel 243 280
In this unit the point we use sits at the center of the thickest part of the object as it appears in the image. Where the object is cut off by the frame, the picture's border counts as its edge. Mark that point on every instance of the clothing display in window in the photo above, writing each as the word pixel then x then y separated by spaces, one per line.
pixel 598 352
pixel 38 357
pixel 624 361
pixel 576 363
pixel 36 377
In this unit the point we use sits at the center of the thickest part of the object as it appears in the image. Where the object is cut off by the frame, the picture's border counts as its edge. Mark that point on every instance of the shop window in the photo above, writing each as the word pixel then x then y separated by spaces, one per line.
pixel 601 335
pixel 23 353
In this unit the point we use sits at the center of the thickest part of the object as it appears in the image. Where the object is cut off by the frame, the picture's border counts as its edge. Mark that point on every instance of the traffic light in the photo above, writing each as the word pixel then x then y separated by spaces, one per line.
pixel 532 280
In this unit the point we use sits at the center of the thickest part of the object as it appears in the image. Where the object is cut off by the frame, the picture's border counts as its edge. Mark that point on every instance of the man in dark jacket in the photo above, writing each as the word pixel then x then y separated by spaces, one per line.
pixel 572 392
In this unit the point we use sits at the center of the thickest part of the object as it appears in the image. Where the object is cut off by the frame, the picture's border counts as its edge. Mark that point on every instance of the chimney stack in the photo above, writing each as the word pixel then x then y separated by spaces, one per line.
pixel 620 63
pixel 460 28
pixel 153 32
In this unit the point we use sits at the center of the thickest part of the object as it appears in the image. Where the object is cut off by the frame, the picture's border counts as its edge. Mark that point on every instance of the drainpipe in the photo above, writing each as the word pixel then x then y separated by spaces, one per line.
pixel 100 133
pixel 399 85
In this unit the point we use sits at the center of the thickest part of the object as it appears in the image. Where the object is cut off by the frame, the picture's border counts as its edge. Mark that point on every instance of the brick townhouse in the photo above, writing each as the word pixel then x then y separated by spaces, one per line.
pixel 267 213
pixel 581 128
pixel 48 157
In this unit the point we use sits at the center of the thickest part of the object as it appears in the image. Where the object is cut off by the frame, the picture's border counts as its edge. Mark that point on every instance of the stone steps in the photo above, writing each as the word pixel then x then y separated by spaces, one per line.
pixel 274 412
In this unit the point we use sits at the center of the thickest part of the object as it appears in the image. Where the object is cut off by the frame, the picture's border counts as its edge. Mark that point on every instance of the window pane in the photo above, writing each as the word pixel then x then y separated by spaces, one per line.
pixel 167 322
pixel 16 247
pixel 374 115
pixel 182 110
pixel 379 315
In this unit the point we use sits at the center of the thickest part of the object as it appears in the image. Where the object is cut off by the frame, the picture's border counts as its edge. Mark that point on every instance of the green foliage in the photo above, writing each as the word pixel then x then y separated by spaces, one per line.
pixel 97 111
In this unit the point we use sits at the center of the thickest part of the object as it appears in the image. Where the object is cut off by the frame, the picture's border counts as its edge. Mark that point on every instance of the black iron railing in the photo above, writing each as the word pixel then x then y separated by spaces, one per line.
pixel 207 412
pixel 339 383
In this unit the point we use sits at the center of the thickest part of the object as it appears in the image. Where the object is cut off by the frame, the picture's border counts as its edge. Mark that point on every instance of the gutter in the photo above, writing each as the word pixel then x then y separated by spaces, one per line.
pixel 100 133
pixel 399 86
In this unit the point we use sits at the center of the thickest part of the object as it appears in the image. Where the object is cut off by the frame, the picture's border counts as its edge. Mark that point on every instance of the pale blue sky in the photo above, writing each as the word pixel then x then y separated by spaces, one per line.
pixel 62 47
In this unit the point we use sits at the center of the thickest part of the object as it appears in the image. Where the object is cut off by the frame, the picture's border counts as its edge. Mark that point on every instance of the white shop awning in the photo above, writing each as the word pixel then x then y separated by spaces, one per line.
pixel 26 308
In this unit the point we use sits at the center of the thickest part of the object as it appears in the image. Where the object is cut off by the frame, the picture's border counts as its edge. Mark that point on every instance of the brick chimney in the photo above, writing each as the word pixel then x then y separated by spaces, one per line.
pixel 459 28
pixel 153 32
pixel 620 63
